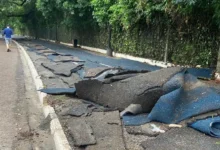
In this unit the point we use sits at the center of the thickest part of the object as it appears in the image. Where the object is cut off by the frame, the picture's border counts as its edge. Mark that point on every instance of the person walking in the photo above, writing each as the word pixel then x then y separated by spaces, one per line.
pixel 2 32
pixel 8 33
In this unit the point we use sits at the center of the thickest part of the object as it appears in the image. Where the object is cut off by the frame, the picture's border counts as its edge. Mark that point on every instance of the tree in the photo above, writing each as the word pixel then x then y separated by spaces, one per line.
pixel 12 13
pixel 102 13
pixel 216 6
pixel 186 30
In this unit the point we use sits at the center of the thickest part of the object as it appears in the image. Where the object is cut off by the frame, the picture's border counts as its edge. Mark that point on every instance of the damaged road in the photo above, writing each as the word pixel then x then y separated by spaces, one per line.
pixel 105 101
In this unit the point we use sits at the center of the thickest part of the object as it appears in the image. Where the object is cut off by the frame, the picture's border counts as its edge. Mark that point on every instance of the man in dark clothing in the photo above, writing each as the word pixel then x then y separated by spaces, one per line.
pixel 8 33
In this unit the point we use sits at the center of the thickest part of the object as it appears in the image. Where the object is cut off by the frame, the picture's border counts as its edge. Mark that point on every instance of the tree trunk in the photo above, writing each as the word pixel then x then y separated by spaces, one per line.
pixel 109 49
pixel 36 33
pixel 167 44
pixel 218 62
pixel 48 32
pixel 56 40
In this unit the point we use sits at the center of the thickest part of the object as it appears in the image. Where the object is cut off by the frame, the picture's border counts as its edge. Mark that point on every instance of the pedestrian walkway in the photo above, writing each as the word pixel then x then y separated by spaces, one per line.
pixel 9 66
pixel 20 116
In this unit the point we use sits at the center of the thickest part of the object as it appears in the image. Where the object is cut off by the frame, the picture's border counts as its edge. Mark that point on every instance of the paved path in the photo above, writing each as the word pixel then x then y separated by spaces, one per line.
pixel 17 130
pixel 93 59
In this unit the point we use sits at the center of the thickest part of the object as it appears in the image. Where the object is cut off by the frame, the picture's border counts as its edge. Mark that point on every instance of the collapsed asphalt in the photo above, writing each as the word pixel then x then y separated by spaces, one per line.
pixel 94 63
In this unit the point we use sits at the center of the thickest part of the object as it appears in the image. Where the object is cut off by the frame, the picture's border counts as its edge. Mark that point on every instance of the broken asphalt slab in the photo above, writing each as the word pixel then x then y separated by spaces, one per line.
pixel 45 51
pixel 72 80
pixel 79 110
pixel 64 69
pixel 82 132
pixel 182 139
pixel 107 131
pixel 60 58
pixel 144 89
pixel 94 72
pixel 184 96
pixel 54 83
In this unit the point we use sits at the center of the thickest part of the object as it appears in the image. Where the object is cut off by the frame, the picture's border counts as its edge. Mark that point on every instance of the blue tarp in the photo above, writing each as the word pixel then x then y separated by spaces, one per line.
pixel 131 120
pixel 184 96
pixel 201 72
pixel 210 126
pixel 58 91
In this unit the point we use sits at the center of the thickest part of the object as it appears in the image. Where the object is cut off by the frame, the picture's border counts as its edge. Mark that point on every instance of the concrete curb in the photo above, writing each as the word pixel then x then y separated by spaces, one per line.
pixel 60 140
pixel 120 55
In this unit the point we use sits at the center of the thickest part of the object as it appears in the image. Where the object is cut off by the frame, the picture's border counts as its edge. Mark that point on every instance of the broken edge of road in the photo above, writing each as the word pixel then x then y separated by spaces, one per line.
pixel 60 140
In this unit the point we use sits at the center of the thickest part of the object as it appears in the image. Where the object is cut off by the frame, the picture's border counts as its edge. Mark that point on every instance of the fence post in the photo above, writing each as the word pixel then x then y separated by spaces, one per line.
pixel 218 62
pixel 56 36
pixel 167 44
pixel 109 49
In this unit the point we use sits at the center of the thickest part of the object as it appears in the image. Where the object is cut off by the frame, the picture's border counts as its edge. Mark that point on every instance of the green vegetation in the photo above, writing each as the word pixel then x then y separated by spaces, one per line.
pixel 180 31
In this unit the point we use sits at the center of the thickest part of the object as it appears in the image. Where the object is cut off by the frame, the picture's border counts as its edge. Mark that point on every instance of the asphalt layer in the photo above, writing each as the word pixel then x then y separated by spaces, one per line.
pixel 182 139
pixel 144 89
pixel 18 127
pixel 95 59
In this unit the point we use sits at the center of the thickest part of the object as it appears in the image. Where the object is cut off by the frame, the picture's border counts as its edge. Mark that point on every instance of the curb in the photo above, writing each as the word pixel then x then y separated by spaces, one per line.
pixel 60 140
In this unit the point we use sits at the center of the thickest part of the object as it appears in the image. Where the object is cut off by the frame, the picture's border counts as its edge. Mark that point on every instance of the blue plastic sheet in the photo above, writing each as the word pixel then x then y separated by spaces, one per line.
pixel 190 99
pixel 132 120
pixel 184 96
pixel 201 72
pixel 58 91
pixel 210 126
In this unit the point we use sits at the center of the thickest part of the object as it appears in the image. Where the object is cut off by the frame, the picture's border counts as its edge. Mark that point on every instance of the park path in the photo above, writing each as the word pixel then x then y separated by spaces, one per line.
pixel 19 114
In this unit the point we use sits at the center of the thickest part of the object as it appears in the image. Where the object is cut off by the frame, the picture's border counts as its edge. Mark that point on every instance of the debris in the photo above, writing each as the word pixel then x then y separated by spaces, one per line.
pixel 46 74
pixel 54 83
pixel 58 91
pixel 107 130
pixel 156 129
pixel 66 59
pixel 40 47
pixel 184 97
pixel 149 129
pixel 132 109
pixel 144 89
pixel 45 124
pixel 93 72
pixel 79 110
pixel 46 51
pixel 64 54
pixel 72 80
pixel 118 78
pixel 82 132
pixel 190 99
pixel 181 139
pixel 65 69
pixel 210 126
pixel 175 126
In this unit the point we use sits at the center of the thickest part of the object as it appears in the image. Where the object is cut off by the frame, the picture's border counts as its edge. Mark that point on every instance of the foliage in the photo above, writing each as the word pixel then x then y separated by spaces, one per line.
pixel 101 10
pixel 140 27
